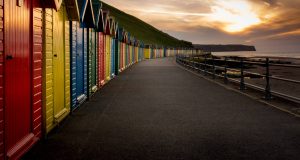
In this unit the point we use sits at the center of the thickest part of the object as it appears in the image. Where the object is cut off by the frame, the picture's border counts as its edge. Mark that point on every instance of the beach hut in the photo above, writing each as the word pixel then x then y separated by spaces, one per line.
pixel 136 50
pixel 92 61
pixel 165 51
pixel 132 50
pixel 126 54
pixel 161 52
pixel 141 51
pixel 121 41
pixel 119 50
pixel 120 37
pixel 153 53
pixel 79 54
pixel 112 47
pixel 116 48
pixel 124 41
pixel 107 48
pixel 100 26
pixel 156 52
pixel 147 52
pixel 56 62
pixel 129 50
pixel 92 49
pixel 133 43
pixel 21 76
pixel 79 90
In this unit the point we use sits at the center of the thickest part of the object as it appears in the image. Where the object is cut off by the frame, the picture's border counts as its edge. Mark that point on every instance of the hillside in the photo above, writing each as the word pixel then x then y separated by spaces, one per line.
pixel 224 48
pixel 143 31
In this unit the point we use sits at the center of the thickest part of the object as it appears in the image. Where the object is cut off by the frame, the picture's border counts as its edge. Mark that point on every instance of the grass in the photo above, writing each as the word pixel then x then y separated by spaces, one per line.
pixel 143 31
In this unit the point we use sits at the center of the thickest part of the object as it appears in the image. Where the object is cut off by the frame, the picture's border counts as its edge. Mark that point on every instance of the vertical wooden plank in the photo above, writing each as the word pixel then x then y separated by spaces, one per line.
pixel 48 71
pixel 107 61
pixel 73 35
pixel 67 64
pixel 37 71
pixel 99 42
pixel 112 53
pixel 102 52
pixel 1 81
pixel 89 41
pixel 95 34
pixel 85 50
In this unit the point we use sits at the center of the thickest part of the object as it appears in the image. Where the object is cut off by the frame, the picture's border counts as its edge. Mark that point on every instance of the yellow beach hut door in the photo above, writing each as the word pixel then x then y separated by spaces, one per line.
pixel 59 63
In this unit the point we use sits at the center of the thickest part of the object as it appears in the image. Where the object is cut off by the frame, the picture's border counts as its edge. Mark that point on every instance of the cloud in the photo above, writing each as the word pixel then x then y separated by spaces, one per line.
pixel 230 21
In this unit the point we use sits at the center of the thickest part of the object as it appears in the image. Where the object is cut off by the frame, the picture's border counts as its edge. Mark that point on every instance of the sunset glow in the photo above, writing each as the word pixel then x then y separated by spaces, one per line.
pixel 235 15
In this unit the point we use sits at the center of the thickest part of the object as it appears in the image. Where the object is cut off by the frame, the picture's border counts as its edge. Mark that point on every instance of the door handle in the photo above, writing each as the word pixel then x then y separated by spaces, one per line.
pixel 55 55
pixel 9 57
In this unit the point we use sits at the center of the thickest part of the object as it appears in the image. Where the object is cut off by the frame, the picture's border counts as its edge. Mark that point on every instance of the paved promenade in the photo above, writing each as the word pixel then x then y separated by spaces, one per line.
pixel 158 111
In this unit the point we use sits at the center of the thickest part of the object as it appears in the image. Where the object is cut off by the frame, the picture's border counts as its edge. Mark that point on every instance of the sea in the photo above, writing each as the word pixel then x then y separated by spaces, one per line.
pixel 252 54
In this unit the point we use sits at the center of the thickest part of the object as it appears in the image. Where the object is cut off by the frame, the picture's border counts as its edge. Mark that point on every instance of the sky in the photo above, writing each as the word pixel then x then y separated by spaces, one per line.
pixel 270 25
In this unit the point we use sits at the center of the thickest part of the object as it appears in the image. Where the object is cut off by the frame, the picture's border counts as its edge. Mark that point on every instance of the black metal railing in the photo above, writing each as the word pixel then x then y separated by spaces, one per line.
pixel 209 65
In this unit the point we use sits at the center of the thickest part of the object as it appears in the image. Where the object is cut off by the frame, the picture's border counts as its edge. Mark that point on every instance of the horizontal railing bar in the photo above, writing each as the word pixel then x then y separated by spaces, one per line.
pixel 258 63
pixel 285 65
pixel 282 95
pixel 286 80
pixel 286 96
pixel 231 69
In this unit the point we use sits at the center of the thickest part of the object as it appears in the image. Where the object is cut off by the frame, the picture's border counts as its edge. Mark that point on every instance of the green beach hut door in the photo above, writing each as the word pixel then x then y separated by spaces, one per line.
pixel 59 63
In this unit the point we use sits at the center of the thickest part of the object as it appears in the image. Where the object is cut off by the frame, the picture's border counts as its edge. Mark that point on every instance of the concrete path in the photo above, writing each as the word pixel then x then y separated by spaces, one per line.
pixel 158 111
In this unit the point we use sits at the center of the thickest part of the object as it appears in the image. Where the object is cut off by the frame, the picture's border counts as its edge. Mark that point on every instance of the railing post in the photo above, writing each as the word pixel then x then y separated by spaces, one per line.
pixel 193 60
pixel 205 71
pixel 225 72
pixel 214 68
pixel 268 94
pixel 242 83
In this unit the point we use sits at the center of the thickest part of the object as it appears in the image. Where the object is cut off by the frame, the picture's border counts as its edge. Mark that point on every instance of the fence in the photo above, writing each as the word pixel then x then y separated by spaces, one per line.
pixel 222 66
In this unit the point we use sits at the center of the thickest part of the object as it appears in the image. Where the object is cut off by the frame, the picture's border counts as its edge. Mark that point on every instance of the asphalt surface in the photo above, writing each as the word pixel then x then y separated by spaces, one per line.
pixel 158 111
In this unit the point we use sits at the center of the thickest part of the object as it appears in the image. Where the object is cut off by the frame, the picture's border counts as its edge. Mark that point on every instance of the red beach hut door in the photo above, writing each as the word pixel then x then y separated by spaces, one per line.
pixel 17 79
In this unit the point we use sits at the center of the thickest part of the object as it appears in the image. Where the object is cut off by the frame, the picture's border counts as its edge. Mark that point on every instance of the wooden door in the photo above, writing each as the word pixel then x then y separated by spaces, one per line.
pixel 17 77
pixel 92 40
pixel 59 62
pixel 79 63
